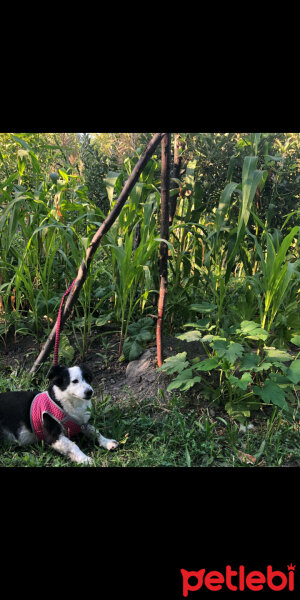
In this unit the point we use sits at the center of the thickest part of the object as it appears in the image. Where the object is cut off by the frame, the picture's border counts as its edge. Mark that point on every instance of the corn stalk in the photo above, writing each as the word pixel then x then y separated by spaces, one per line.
pixel 104 228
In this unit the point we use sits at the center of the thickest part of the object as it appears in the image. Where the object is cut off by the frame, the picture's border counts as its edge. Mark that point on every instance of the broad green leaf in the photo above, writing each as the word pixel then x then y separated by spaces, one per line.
pixel 208 338
pixel 263 367
pixel 271 392
pixel 104 319
pixel 280 365
pixel 132 350
pixel 234 350
pixel 174 364
pixel 204 307
pixel 229 350
pixel 242 383
pixel 273 354
pixel 249 362
pixel 190 336
pixel 293 372
pixel 144 335
pixel 281 380
pixel 296 340
pixel 185 374
pixel 202 324
pixel 134 328
pixel 253 331
pixel 184 381
pixel 207 365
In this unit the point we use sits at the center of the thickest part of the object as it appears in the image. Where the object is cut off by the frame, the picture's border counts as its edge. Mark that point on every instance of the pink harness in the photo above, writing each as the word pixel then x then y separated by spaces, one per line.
pixel 41 404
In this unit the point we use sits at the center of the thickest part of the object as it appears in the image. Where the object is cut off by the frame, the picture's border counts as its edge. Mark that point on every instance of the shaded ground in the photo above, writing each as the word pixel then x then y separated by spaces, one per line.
pixel 121 380
pixel 141 393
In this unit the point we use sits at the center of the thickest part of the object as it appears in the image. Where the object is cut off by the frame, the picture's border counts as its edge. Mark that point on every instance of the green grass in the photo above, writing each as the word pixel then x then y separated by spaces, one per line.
pixel 156 434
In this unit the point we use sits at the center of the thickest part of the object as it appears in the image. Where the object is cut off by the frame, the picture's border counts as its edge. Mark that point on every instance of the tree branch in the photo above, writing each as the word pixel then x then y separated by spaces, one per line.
pixel 107 223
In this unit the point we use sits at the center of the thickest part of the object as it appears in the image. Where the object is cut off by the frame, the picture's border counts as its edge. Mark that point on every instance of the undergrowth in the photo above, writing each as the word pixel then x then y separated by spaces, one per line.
pixel 174 434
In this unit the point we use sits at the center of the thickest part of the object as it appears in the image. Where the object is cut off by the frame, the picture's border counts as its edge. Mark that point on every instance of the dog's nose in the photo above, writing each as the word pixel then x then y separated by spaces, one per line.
pixel 88 393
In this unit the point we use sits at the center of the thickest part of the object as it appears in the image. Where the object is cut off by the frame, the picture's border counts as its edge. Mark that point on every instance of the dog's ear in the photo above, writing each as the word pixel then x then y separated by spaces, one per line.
pixel 55 372
pixel 86 373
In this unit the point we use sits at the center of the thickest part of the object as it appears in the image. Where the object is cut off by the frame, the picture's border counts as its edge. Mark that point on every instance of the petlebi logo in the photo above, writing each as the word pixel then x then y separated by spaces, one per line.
pixel 238 579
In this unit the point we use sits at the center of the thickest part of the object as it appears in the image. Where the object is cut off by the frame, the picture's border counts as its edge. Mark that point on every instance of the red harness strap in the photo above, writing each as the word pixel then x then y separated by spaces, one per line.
pixel 41 404
pixel 58 324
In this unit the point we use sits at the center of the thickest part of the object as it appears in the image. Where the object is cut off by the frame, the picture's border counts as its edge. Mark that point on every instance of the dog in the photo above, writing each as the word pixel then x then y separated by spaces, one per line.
pixel 54 416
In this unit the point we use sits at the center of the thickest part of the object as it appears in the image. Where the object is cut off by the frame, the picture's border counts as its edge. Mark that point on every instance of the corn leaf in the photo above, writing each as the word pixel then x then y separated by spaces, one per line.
pixel 224 205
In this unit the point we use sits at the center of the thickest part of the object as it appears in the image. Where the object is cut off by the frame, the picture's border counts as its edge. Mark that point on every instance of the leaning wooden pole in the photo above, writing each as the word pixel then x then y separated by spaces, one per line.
pixel 164 234
pixel 107 223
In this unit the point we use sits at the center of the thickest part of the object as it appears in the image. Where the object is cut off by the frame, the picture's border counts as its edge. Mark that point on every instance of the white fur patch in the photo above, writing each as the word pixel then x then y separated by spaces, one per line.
pixel 107 443
pixel 64 446
pixel 72 398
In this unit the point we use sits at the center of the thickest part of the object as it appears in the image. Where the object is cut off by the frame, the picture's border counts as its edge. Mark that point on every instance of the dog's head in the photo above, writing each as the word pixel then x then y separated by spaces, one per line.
pixel 71 384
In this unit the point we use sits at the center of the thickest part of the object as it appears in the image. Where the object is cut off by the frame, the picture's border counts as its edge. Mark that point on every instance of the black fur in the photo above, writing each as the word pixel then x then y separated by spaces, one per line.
pixel 51 428
pixel 15 409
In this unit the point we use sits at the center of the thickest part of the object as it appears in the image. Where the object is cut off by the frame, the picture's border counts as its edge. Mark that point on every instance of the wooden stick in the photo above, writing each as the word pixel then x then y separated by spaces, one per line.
pixel 107 223
pixel 164 233
pixel 176 175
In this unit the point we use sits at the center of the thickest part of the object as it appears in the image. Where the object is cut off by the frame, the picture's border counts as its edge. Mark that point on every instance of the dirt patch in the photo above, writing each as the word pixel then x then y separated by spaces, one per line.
pixel 122 381
pixel 139 379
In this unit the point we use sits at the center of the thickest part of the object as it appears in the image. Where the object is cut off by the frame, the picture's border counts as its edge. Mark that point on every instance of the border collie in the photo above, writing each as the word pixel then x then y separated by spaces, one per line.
pixel 55 415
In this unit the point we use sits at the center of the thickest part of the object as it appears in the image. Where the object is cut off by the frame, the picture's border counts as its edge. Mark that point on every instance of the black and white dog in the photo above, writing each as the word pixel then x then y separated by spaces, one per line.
pixel 55 415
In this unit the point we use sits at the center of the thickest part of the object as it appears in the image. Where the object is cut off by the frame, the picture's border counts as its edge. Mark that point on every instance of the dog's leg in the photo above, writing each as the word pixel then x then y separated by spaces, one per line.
pixel 93 433
pixel 64 446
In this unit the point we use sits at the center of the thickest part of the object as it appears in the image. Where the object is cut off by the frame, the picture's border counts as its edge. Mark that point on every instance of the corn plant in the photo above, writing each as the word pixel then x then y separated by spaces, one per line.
pixel 41 243
pixel 277 272
pixel 224 244
pixel 132 269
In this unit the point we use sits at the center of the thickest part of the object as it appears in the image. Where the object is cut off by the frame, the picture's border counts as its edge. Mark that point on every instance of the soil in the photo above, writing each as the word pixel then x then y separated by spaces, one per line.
pixel 121 380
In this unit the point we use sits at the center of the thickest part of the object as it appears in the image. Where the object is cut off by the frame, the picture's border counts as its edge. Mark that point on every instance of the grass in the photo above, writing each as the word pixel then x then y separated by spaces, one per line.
pixel 156 434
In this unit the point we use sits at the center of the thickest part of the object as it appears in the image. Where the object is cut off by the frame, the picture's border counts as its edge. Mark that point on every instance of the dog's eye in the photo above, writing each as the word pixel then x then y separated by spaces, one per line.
pixel 75 381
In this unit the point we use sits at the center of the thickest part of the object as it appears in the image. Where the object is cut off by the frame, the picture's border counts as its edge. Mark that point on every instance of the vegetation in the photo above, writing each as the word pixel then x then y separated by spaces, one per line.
pixel 233 284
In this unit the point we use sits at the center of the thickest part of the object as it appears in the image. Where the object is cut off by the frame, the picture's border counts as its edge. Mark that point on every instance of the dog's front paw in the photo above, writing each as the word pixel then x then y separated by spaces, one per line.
pixel 107 443
pixel 82 459
pixel 112 444
pixel 87 461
